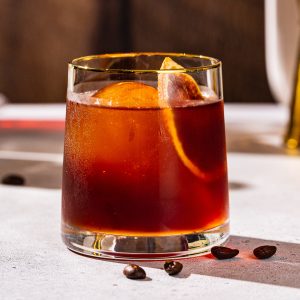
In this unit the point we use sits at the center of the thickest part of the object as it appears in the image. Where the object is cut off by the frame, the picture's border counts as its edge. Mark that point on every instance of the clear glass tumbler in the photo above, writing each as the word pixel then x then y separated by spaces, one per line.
pixel 145 171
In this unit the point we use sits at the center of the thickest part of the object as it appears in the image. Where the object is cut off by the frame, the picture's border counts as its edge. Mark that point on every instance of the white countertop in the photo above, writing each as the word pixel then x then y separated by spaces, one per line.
pixel 265 209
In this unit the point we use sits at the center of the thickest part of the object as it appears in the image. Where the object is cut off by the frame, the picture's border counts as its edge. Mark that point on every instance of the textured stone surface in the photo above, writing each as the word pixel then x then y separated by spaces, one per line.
pixel 264 192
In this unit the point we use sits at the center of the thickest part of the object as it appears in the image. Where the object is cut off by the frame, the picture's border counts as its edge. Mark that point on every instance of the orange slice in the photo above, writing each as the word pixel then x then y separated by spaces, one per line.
pixel 126 94
pixel 121 129
pixel 176 87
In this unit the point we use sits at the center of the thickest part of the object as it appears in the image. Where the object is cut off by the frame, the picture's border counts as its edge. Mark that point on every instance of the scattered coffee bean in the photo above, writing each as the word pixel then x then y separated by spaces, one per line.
pixel 264 252
pixel 134 272
pixel 173 267
pixel 224 252
pixel 13 179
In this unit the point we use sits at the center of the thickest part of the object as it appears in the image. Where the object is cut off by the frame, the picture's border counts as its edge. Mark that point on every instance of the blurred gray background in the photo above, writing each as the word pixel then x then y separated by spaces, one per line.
pixel 38 38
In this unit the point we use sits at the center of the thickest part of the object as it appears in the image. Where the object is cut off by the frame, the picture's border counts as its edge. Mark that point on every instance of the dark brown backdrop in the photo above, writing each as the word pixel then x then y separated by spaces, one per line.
pixel 38 38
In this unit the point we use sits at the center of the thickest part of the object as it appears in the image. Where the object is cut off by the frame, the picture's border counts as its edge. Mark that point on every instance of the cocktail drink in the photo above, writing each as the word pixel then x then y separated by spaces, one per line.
pixel 145 173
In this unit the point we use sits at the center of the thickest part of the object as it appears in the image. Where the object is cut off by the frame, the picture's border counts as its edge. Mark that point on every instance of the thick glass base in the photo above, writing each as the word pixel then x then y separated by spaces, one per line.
pixel 120 247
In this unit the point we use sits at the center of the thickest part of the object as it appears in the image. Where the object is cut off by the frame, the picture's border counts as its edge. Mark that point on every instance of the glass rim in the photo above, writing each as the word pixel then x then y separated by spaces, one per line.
pixel 212 62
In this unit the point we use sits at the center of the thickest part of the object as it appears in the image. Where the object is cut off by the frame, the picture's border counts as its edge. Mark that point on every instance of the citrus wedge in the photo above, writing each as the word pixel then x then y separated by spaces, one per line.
pixel 173 88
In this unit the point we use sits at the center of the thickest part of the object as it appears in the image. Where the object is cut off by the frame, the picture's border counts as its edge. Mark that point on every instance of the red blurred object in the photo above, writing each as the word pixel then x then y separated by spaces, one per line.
pixel 56 125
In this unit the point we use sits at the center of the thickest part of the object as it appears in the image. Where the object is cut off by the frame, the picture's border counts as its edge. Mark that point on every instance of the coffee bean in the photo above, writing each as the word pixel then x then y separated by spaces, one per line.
pixel 13 179
pixel 134 272
pixel 264 252
pixel 173 267
pixel 224 252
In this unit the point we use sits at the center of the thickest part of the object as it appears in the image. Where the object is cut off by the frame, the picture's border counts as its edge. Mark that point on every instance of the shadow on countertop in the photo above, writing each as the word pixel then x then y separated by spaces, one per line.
pixel 34 154
pixel 283 269
pixel 36 173
pixel 268 140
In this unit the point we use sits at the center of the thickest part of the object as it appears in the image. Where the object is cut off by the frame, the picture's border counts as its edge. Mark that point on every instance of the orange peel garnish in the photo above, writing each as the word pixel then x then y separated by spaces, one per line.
pixel 177 87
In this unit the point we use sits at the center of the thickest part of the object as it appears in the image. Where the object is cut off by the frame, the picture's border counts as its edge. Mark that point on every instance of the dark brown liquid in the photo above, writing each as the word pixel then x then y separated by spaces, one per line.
pixel 124 172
